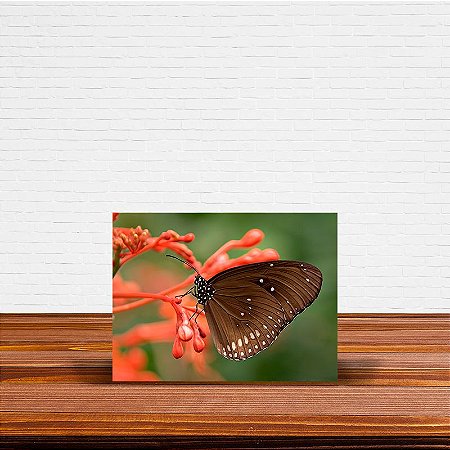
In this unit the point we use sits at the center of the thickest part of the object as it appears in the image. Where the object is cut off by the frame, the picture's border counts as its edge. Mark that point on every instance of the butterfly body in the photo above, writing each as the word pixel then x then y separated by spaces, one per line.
pixel 248 306
pixel 203 290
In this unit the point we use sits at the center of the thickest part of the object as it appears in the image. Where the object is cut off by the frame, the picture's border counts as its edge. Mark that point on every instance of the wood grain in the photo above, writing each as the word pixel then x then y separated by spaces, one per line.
pixel 394 381
pixel 237 443
pixel 137 424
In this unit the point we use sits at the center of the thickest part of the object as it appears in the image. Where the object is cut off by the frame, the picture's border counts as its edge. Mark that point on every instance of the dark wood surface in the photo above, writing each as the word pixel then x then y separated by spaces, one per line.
pixel 393 390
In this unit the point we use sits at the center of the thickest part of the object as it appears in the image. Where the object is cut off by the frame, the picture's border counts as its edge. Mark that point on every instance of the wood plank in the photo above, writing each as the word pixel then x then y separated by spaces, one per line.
pixel 63 355
pixel 234 399
pixel 408 329
pixel 28 354
pixel 49 324
pixel 56 380
pixel 197 442
pixel 45 375
pixel 394 369
pixel 82 424
pixel 347 376
pixel 376 329
pixel 249 441
pixel 393 348
pixel 33 328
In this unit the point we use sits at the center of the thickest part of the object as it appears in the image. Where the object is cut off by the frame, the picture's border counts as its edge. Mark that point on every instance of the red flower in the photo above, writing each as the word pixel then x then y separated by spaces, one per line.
pixel 128 243
pixel 177 349
pixel 199 343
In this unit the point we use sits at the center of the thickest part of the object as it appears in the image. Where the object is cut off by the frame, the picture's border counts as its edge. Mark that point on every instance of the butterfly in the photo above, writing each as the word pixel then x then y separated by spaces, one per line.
pixel 247 307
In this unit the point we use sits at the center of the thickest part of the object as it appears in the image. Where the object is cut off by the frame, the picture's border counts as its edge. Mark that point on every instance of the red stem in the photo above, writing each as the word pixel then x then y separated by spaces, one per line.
pixel 223 249
pixel 146 298
pixel 132 255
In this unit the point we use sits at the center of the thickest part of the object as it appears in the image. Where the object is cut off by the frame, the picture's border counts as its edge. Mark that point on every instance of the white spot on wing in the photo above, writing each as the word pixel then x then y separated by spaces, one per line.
pixel 240 342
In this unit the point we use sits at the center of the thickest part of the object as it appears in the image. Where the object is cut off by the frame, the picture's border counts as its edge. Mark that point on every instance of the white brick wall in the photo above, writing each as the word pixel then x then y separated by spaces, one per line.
pixel 225 107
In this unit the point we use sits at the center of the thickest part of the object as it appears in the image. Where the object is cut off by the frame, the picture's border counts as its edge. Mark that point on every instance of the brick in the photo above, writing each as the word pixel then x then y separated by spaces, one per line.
pixel 214 106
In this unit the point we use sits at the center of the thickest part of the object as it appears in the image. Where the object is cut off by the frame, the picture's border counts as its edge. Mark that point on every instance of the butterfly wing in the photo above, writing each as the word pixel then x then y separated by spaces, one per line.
pixel 253 303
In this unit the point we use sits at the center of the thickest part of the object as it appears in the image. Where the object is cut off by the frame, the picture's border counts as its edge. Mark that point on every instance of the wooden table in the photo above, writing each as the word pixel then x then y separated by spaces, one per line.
pixel 392 391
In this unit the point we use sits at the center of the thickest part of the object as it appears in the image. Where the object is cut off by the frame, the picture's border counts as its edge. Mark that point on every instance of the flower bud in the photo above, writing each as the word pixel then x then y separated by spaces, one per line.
pixel 199 344
pixel 185 332
pixel 201 332
pixel 221 260
pixel 254 252
pixel 252 237
pixel 118 242
pixel 144 235
pixel 270 254
pixel 182 316
pixel 189 237
pixel 177 349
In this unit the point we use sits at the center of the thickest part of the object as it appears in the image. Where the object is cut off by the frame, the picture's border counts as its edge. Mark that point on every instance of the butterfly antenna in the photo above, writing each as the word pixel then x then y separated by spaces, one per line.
pixel 185 262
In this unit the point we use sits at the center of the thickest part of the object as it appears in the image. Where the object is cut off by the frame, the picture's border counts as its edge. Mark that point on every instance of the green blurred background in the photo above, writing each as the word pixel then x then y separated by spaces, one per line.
pixel 305 351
